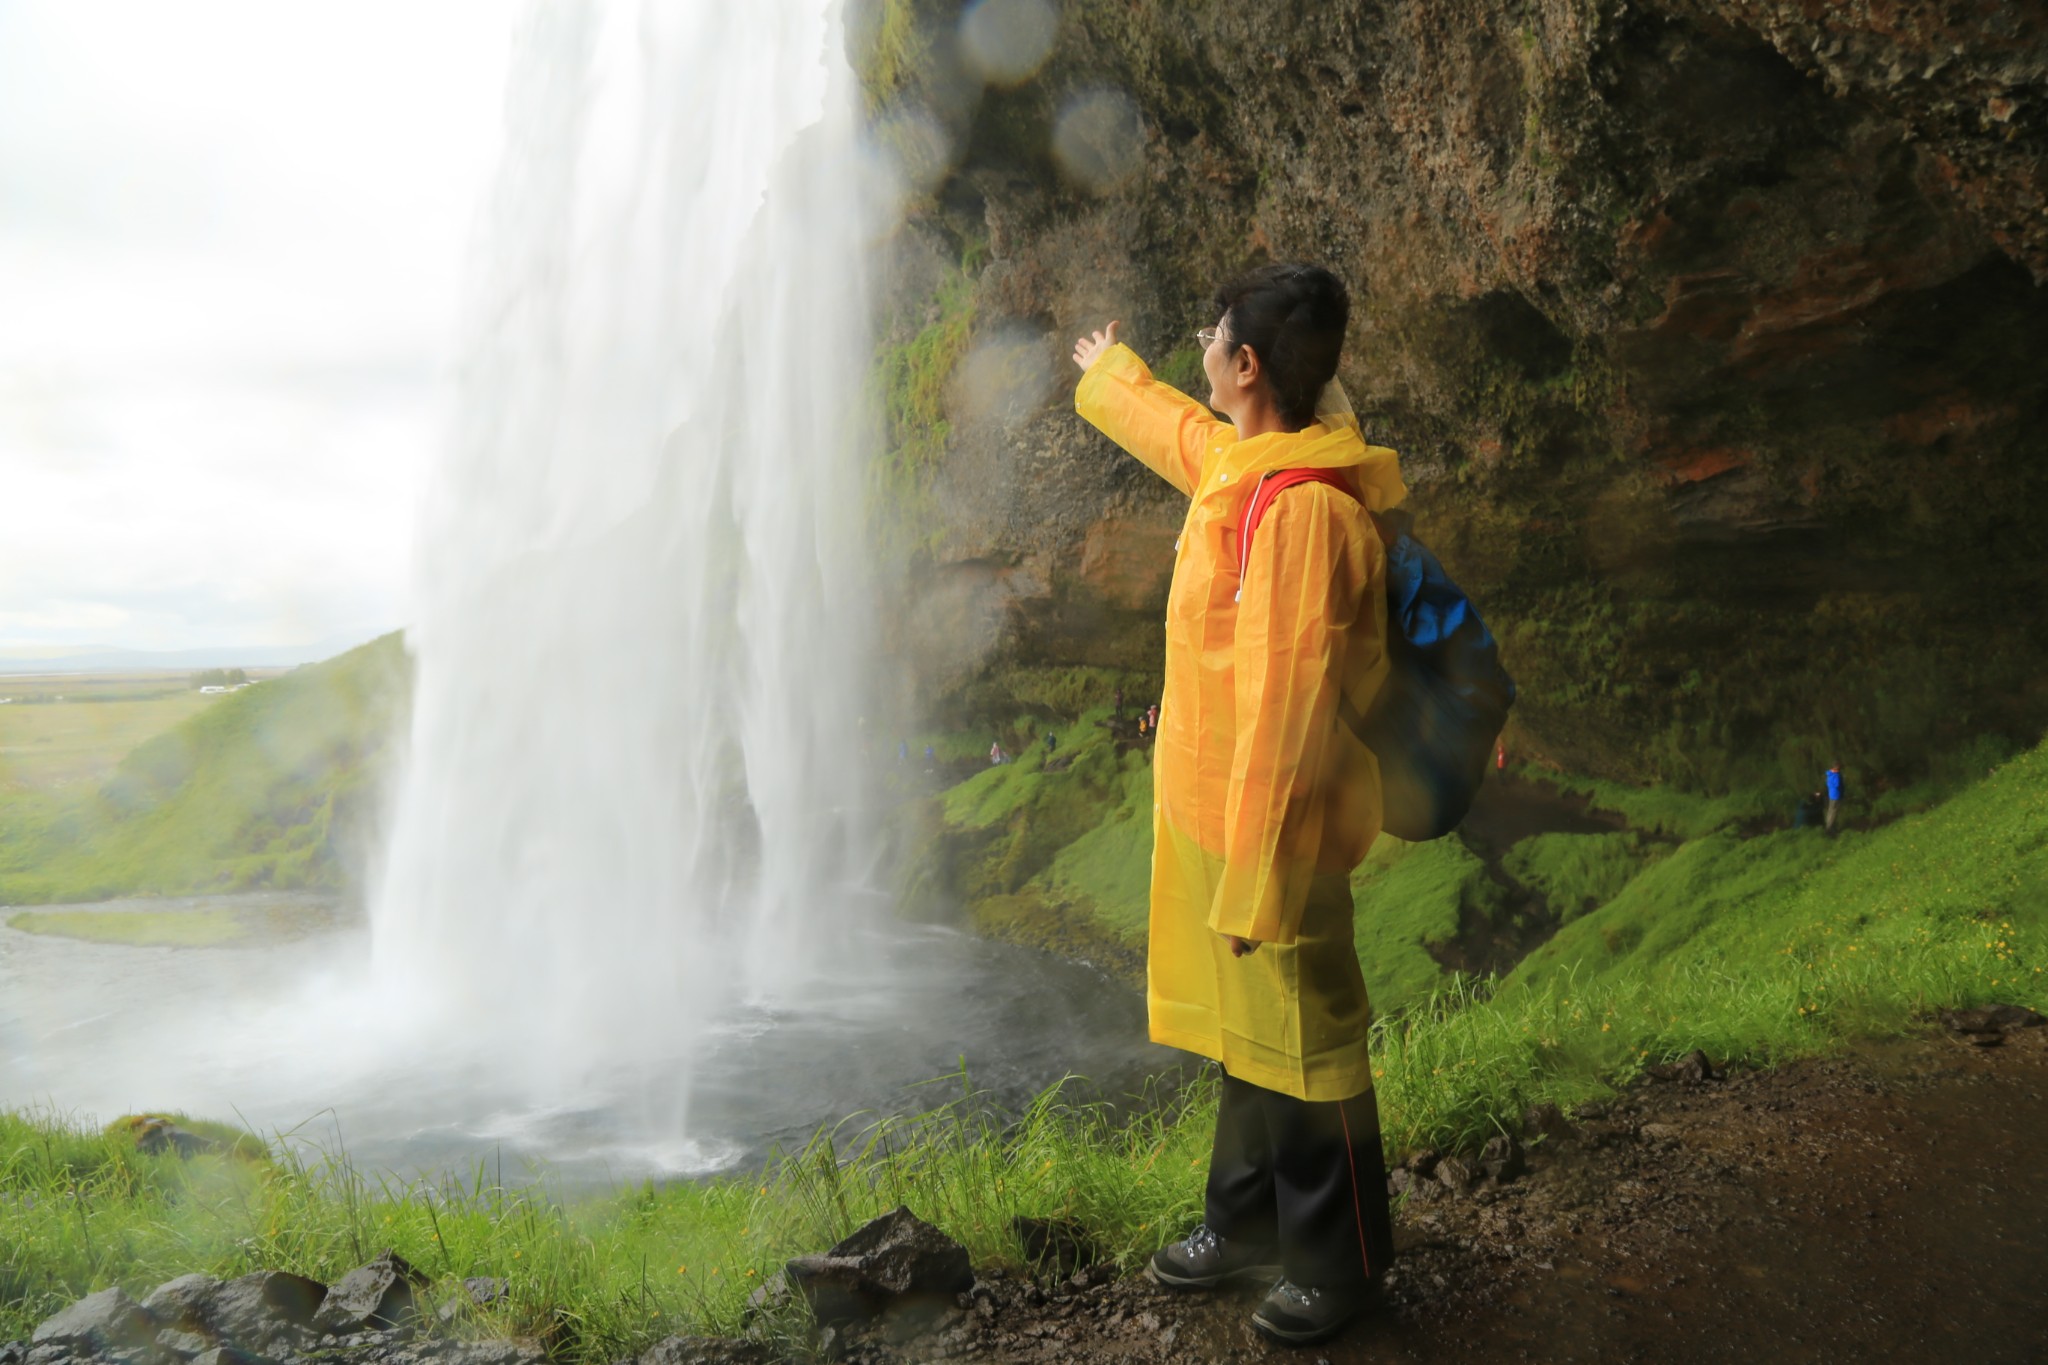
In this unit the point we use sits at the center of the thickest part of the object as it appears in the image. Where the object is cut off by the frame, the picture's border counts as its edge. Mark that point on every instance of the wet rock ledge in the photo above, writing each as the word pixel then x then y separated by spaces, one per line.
pixel 371 1316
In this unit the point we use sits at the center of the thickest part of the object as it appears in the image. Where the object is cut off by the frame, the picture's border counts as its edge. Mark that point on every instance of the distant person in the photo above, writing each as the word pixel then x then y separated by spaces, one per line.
pixel 1500 757
pixel 1152 717
pixel 903 753
pixel 1052 741
pixel 931 760
pixel 1141 725
pixel 995 754
pixel 1834 797
pixel 1265 801
pixel 1119 702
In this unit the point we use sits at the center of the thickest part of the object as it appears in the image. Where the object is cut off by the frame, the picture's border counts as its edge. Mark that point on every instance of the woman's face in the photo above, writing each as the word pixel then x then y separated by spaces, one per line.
pixel 1216 365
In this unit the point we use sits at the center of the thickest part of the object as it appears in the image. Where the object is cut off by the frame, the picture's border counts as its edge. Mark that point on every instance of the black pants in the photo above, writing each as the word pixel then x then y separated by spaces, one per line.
pixel 1306 1175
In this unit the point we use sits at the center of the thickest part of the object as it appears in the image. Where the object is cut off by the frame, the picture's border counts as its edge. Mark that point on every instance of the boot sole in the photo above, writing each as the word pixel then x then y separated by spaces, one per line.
pixel 1297 1336
pixel 1167 1278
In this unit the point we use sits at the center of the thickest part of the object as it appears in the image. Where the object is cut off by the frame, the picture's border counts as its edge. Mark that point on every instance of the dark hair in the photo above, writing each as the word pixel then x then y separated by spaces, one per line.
pixel 1293 316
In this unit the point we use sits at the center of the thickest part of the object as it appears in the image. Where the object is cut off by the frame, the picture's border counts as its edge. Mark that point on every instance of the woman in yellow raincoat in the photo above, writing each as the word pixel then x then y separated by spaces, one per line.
pixel 1264 800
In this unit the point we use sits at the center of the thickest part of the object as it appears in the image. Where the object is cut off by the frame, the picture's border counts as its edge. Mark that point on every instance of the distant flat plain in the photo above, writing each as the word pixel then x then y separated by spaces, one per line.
pixel 53 746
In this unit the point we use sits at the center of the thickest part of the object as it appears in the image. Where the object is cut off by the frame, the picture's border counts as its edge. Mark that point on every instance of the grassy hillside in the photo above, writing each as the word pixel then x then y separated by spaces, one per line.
pixel 273 786
pixel 1755 949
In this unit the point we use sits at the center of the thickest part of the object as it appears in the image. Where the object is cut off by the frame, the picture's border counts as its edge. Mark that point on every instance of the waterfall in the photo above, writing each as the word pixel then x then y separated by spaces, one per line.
pixel 633 800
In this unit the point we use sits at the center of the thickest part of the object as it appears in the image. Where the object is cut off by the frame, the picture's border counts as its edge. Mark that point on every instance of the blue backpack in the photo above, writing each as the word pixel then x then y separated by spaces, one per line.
pixel 1446 697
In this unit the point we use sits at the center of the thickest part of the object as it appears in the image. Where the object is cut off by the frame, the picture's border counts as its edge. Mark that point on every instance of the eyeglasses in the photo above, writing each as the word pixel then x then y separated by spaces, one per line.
pixel 1208 336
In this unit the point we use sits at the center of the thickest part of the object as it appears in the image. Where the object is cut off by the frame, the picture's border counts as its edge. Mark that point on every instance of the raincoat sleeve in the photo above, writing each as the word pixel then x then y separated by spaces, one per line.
pixel 1299 595
pixel 1156 422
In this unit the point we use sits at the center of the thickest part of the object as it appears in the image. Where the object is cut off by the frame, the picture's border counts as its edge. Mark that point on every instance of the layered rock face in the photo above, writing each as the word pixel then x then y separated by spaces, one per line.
pixel 1711 335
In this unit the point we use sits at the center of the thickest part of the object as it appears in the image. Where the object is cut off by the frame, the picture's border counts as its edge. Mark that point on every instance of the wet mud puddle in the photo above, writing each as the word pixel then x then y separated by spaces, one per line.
pixel 1888 1206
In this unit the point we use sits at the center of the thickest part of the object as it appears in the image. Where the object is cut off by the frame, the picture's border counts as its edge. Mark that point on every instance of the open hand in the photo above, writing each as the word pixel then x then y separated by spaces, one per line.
pixel 1089 347
pixel 1241 947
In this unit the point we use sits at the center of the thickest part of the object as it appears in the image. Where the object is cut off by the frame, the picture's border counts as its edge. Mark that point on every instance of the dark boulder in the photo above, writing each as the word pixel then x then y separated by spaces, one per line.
pixel 378 1295
pixel 703 1351
pixel 180 1303
pixel 1546 1121
pixel 898 1260
pixel 1456 1174
pixel 269 1312
pixel 230 1355
pixel 1503 1159
pixel 107 1323
pixel 1691 1069
pixel 1987 1025
pixel 161 1137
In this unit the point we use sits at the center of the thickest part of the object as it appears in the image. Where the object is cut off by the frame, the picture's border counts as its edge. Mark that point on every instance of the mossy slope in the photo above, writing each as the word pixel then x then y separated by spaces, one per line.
pixel 274 786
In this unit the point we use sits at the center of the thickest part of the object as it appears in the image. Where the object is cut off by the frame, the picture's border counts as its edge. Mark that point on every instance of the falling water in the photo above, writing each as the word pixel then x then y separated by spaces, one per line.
pixel 633 801
pixel 625 921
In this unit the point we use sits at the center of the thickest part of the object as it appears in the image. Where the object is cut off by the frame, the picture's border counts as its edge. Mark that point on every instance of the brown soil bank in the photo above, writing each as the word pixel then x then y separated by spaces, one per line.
pixel 1890 1205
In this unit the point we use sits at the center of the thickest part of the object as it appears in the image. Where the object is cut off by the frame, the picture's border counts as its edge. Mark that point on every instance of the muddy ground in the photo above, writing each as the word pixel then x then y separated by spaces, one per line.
pixel 1890 1205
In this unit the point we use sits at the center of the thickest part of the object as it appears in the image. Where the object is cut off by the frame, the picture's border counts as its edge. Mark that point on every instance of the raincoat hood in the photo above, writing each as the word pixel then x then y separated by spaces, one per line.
pixel 1331 443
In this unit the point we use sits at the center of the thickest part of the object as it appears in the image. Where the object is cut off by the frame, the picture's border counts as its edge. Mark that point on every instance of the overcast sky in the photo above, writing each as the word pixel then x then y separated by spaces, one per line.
pixel 230 241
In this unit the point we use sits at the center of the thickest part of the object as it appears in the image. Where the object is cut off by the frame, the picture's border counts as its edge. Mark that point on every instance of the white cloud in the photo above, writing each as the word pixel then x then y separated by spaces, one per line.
pixel 230 239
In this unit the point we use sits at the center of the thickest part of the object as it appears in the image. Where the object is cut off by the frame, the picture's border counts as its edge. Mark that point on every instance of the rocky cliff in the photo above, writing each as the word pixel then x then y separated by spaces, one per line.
pixel 1710 335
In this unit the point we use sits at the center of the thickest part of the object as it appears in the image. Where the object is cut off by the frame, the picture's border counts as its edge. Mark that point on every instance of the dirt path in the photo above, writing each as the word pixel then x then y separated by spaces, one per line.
pixel 1892 1206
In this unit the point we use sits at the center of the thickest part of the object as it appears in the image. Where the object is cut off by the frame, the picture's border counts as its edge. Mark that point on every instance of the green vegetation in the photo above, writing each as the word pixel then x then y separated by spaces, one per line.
pixel 1577 872
pixel 909 382
pixel 1760 950
pixel 1410 899
pixel 203 926
pixel 268 787
pixel 57 748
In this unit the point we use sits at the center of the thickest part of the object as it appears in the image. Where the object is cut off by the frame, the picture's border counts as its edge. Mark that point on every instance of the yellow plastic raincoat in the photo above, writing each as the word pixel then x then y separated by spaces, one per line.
pixel 1263 799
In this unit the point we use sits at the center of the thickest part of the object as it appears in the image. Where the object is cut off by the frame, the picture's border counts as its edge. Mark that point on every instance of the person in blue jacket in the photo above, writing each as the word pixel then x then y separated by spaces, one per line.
pixel 1834 796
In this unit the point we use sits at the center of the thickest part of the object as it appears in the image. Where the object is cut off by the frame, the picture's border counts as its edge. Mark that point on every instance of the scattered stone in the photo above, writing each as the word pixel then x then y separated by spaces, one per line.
pixel 1660 1132
pixel 108 1323
pixel 1057 1244
pixel 13 1353
pixel 1547 1121
pixel 1691 1069
pixel 270 1311
pixel 1503 1158
pixel 1456 1174
pixel 898 1259
pixel 230 1355
pixel 1400 1181
pixel 380 1294
pixel 703 1351
pixel 182 1344
pixel 179 1302
pixel 478 1291
pixel 158 1136
pixel 1987 1025
pixel 1423 1163
pixel 771 1295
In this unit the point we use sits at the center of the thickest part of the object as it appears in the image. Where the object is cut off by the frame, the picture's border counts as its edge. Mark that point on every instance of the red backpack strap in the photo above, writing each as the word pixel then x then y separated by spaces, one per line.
pixel 1271 485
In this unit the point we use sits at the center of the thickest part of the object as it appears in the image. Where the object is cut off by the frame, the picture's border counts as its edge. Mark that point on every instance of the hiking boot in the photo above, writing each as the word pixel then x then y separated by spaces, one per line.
pixel 1301 1316
pixel 1205 1259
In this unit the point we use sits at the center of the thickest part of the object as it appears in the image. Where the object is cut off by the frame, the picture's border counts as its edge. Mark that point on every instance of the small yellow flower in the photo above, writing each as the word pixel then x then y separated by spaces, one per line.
pixel 682 1270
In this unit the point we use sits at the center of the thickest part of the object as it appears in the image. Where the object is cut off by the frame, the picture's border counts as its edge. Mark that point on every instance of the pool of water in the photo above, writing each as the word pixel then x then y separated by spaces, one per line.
pixel 285 1038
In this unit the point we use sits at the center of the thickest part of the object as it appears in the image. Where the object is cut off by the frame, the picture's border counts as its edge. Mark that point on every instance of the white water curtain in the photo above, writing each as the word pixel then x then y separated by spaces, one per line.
pixel 635 788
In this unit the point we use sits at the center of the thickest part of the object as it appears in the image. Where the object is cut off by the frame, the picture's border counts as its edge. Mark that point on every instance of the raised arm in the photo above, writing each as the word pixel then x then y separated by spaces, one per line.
pixel 1156 422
